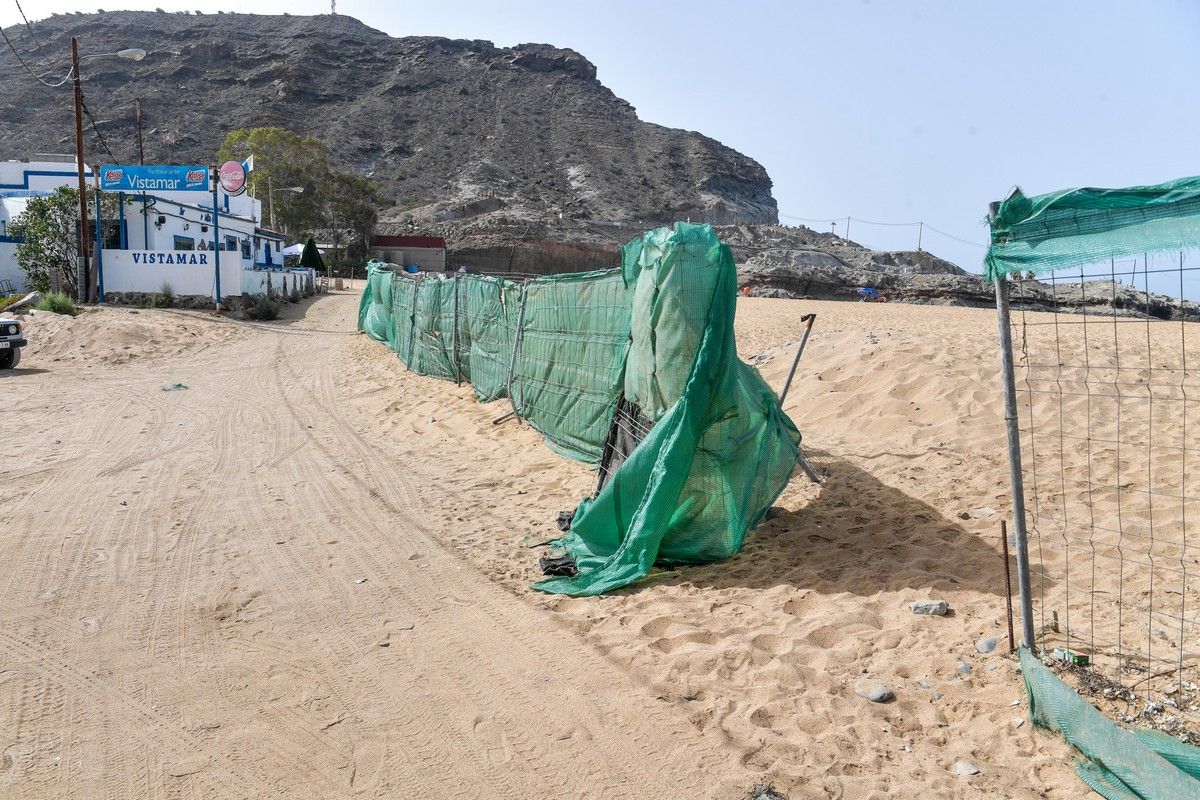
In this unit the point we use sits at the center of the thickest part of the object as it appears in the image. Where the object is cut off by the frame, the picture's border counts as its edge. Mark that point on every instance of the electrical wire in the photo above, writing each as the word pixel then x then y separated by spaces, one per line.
pixel 70 72
pixel 36 40
pixel 926 225
pixel 92 121
pixel 955 238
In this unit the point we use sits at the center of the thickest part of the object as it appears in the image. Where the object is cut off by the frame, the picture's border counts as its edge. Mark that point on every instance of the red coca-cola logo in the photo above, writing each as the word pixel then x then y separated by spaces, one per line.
pixel 232 177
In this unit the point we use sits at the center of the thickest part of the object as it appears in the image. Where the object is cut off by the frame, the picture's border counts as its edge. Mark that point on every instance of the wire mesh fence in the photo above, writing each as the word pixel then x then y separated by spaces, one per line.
pixel 1108 395
pixel 555 345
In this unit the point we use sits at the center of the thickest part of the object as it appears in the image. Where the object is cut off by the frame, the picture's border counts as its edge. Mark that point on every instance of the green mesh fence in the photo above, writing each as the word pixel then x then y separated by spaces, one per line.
pixel 1117 763
pixel 432 328
pixel 716 449
pixel 1085 226
pixel 487 322
pixel 570 355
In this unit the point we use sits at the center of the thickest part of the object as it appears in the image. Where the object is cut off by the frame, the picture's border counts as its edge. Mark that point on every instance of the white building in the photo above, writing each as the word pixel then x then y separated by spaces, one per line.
pixel 165 237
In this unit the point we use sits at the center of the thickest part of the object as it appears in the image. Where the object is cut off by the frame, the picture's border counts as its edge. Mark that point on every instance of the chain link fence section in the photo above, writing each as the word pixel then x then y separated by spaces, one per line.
pixel 1108 416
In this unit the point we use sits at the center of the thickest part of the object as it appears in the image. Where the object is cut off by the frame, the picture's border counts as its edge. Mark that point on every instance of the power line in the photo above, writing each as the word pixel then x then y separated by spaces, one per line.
pixel 955 238
pixel 36 40
pixel 29 69
pixel 92 121
pixel 829 220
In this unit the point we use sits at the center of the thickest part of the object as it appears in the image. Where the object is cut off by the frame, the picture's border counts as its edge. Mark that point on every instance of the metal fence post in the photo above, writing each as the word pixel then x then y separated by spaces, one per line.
pixel 512 364
pixel 454 337
pixel 412 323
pixel 1015 474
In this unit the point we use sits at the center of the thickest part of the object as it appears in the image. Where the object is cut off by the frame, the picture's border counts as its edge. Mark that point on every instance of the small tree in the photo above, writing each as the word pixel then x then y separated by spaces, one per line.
pixel 352 206
pixel 49 228
pixel 283 159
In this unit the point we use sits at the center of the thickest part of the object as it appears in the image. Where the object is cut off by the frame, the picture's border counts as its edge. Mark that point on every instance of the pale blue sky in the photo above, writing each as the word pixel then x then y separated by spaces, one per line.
pixel 891 111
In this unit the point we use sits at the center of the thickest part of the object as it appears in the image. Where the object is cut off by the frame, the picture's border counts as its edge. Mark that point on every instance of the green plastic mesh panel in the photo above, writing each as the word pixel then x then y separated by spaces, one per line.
pixel 433 328
pixel 1085 226
pixel 574 335
pixel 400 339
pixel 1119 764
pixel 375 307
pixel 722 449
pixel 488 310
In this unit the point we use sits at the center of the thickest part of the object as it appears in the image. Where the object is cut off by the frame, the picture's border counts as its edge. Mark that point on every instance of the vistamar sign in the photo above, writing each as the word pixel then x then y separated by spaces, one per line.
pixel 154 179
pixel 169 257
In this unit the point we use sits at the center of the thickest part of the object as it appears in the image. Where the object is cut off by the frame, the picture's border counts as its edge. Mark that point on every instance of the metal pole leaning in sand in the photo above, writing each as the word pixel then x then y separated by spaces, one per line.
pixel 512 363
pixel 1015 475
pixel 810 319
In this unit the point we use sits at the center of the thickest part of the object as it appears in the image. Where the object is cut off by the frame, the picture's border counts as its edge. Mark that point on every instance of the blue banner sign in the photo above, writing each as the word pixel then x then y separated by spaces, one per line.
pixel 154 179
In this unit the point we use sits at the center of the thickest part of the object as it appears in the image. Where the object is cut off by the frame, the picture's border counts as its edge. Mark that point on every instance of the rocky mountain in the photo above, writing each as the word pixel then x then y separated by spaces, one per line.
pixel 779 261
pixel 449 128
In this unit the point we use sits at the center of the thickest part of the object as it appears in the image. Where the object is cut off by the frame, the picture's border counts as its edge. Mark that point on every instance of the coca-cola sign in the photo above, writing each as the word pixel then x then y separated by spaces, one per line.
pixel 232 177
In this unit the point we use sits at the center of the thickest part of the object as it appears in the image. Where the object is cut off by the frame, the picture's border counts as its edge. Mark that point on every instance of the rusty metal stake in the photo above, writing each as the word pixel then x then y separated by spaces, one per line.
pixel 810 319
pixel 1012 644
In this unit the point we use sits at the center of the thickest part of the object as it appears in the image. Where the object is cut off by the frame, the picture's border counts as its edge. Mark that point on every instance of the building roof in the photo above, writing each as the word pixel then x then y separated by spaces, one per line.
pixel 408 241
pixel 267 233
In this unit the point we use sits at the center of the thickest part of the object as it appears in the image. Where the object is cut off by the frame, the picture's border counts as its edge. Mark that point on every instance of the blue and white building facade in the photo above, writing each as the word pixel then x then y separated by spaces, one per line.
pixel 157 238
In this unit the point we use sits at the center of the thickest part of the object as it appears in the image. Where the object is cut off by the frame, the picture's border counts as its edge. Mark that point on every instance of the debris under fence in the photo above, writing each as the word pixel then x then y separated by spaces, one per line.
pixel 632 370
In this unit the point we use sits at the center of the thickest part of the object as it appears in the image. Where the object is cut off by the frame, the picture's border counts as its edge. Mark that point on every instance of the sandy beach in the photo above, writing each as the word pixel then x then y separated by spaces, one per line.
pixel 309 577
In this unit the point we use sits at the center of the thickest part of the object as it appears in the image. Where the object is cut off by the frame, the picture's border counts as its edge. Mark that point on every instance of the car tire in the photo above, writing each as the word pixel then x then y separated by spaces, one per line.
pixel 10 359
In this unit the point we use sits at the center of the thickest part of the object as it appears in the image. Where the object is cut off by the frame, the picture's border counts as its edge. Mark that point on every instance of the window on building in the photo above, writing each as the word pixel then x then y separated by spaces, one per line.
pixel 185 243
pixel 246 253
pixel 231 243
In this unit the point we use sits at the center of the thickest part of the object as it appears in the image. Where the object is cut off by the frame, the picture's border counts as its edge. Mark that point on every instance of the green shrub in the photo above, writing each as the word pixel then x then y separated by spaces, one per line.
pixel 295 296
pixel 6 301
pixel 59 303
pixel 165 297
pixel 265 309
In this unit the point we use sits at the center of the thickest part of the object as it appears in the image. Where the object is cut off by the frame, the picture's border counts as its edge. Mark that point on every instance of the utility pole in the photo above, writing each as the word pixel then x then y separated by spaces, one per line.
pixel 141 148
pixel 920 234
pixel 83 274
pixel 271 202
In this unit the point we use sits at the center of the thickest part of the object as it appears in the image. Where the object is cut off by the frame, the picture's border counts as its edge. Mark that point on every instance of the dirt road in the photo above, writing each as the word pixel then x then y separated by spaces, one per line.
pixel 228 591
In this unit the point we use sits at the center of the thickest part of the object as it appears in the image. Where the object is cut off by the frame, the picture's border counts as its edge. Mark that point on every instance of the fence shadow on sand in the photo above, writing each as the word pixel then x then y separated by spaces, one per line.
pixel 857 535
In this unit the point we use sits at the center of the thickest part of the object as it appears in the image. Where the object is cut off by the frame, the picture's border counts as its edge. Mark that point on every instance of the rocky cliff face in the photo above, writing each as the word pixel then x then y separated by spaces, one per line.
pixel 451 129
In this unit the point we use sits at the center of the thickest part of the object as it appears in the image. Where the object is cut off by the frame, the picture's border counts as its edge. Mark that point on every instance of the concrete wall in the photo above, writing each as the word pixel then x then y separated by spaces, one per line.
pixel 254 281
pixel 429 259
pixel 147 271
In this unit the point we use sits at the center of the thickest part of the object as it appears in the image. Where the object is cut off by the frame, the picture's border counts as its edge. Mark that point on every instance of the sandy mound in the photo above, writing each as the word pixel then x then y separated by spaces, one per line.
pixel 111 335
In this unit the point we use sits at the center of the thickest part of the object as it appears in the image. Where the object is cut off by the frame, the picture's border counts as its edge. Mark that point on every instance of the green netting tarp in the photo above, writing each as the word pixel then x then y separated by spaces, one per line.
pixel 433 328
pixel 487 320
pixel 657 332
pixel 375 306
pixel 721 450
pixel 1117 763
pixel 1085 226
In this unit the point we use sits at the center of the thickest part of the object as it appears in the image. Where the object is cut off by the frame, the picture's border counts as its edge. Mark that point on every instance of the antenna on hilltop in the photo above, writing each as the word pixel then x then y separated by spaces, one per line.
pixel 333 7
